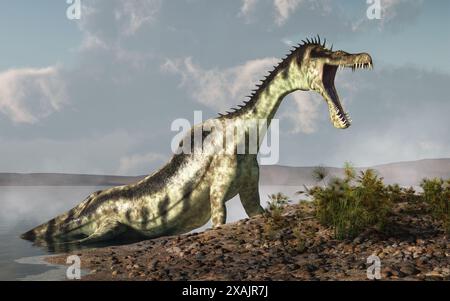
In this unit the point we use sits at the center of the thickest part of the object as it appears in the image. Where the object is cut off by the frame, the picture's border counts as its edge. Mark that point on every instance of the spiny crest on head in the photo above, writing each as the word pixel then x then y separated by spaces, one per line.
pixel 314 41
pixel 267 78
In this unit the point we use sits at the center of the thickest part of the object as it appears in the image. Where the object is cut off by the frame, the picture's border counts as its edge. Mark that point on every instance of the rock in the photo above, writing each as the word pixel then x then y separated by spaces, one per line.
pixel 423 260
pixel 386 272
pixel 114 273
pixel 409 269
pixel 248 246
pixel 397 273
pixel 311 268
pixel 434 275
pixel 357 240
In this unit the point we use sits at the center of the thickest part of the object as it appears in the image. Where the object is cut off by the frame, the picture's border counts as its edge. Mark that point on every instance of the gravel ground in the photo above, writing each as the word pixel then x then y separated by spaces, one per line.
pixel 414 249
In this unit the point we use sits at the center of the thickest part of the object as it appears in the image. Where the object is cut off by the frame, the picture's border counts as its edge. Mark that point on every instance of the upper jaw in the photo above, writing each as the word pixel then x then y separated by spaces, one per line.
pixel 354 61
pixel 355 66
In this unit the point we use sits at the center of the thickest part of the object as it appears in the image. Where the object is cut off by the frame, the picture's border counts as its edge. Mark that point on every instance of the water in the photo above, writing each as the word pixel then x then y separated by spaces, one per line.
pixel 23 208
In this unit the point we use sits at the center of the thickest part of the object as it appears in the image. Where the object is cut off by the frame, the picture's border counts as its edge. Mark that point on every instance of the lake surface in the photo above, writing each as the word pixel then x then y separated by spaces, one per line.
pixel 23 208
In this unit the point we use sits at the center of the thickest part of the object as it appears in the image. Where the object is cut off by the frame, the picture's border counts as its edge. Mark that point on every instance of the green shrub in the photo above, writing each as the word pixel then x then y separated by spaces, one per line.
pixel 319 174
pixel 396 193
pixel 274 219
pixel 352 204
pixel 436 192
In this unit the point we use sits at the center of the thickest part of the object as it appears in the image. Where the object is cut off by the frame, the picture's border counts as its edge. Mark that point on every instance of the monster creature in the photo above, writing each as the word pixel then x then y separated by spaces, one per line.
pixel 194 186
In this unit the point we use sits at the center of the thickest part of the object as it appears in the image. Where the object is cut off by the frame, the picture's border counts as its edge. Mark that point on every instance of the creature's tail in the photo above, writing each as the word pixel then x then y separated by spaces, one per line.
pixel 61 227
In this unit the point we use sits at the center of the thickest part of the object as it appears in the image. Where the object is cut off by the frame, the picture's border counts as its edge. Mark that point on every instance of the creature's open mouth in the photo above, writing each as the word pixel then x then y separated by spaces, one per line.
pixel 338 116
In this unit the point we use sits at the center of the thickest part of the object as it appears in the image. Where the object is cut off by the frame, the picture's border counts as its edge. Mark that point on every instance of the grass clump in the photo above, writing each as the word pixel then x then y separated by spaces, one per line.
pixel 436 193
pixel 351 204
pixel 274 215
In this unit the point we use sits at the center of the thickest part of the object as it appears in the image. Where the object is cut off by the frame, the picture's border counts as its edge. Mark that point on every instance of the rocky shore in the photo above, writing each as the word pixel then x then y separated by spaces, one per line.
pixel 412 247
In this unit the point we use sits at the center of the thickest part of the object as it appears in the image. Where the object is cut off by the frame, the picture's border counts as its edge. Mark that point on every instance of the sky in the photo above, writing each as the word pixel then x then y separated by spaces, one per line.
pixel 99 94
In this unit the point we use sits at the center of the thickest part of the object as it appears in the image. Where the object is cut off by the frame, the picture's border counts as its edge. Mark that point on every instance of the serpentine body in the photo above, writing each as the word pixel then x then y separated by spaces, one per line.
pixel 193 187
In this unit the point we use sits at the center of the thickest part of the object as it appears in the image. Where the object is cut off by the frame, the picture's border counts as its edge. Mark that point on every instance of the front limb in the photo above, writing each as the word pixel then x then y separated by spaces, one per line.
pixel 218 209
pixel 249 191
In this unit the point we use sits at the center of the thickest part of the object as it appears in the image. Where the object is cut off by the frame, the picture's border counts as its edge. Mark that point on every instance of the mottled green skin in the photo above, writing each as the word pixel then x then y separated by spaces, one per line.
pixel 192 188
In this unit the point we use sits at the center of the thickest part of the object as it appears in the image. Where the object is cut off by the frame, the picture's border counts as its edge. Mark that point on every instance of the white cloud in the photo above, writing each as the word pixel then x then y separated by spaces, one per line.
pixel 135 14
pixel 215 88
pixel 284 8
pixel 105 24
pixel 247 8
pixel 394 12
pixel 304 117
pixel 138 164
pixel 29 94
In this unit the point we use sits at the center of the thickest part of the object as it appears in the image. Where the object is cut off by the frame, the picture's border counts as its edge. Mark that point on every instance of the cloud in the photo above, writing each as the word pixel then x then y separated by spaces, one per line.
pixel 138 164
pixel 247 8
pixel 305 115
pixel 351 18
pixel 133 15
pixel 110 20
pixel 30 94
pixel 216 88
pixel 284 8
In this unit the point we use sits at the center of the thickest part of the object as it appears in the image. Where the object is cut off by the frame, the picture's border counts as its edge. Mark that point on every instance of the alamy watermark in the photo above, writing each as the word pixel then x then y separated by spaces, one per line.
pixel 73 12
pixel 374 9
pixel 374 270
pixel 73 272
pixel 227 137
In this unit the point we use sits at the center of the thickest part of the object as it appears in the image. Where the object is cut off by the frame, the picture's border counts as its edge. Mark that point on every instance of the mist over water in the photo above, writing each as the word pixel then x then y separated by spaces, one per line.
pixel 23 208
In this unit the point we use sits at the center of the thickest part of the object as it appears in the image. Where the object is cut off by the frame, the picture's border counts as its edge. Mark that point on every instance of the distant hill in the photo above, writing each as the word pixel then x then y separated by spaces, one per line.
pixel 403 173
pixel 55 179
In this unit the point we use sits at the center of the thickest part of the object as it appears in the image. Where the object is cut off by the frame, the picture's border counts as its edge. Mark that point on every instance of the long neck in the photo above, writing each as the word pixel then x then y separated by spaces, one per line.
pixel 271 93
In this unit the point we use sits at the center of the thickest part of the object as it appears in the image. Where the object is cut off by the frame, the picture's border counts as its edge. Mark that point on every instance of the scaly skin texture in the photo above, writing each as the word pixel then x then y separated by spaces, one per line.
pixel 192 188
